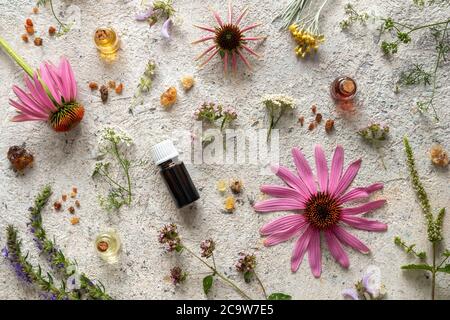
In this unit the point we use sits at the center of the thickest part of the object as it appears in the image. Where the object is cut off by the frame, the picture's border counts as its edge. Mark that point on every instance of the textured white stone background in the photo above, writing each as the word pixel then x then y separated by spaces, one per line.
pixel 64 160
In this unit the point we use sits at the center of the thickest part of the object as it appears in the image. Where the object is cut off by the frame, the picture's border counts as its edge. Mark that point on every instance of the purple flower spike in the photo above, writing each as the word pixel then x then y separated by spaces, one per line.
pixel 167 26
pixel 145 15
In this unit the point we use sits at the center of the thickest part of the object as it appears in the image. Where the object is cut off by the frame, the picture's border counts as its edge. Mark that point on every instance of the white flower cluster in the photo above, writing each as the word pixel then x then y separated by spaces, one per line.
pixel 277 101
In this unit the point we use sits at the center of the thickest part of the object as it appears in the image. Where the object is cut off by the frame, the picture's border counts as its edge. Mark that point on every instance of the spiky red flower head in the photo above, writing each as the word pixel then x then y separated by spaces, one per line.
pixel 229 40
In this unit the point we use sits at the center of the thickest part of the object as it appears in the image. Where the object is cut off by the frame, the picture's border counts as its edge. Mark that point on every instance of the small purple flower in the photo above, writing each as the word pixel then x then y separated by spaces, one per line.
pixel 21 273
pixel 5 252
pixel 350 294
pixel 166 28
pixel 145 15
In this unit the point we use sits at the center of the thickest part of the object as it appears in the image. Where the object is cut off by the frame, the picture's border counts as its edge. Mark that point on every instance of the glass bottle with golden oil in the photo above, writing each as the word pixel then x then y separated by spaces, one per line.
pixel 106 40
pixel 108 245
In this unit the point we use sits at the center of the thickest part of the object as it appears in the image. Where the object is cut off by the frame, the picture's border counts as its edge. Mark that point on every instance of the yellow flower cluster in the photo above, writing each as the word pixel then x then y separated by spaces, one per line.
pixel 307 42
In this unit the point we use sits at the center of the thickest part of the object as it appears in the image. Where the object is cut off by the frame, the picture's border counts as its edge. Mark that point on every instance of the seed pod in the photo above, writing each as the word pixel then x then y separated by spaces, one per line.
pixel 104 93
pixel 329 126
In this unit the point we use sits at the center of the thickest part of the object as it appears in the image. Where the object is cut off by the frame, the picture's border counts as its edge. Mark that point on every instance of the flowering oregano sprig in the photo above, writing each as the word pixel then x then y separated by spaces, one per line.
pixel 169 236
pixel 56 257
pixel 212 112
pixel 113 144
pixel 434 227
pixel 25 270
pixel 177 275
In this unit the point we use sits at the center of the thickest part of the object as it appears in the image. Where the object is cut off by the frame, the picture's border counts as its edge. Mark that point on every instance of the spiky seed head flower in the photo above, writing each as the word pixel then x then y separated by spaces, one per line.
pixel 177 275
pixel 230 40
pixel 207 246
pixel 51 97
pixel 169 236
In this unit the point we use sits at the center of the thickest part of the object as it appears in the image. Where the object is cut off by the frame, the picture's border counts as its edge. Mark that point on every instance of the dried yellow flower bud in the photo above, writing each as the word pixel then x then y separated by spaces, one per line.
pixel 222 186
pixel 230 203
pixel 169 97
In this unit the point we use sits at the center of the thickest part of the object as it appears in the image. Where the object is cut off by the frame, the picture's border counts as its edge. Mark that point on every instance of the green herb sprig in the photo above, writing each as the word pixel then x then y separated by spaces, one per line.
pixel 59 263
pixel 434 228
pixel 56 257
pixel 353 16
pixel 402 33
pixel 27 272
pixel 145 84
pixel 169 236
pixel 63 27
pixel 113 143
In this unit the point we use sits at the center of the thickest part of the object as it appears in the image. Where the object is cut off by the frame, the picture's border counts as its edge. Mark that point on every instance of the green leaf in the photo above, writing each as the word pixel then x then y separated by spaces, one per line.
pixel 446 253
pixel 248 276
pixel 417 267
pixel 279 296
pixel 445 269
pixel 207 283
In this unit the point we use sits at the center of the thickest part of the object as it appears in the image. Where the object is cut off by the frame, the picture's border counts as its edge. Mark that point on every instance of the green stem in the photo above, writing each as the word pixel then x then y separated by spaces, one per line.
pixel 7 48
pixel 433 279
pixel 428 26
pixel 62 25
pixel 125 170
pixel 442 262
pixel 261 285
pixel 225 279
pixel 104 174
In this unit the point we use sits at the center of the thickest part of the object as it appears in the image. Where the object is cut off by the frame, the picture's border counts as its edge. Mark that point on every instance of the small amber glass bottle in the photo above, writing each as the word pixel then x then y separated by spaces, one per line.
pixel 343 91
pixel 106 41
pixel 174 173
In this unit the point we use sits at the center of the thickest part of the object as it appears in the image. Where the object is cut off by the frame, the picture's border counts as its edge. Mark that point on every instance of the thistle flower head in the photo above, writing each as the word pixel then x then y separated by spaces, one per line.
pixel 51 97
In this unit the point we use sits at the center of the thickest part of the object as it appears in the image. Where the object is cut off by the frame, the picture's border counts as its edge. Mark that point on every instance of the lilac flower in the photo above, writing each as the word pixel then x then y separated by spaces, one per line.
pixel 145 15
pixel 167 26
pixel 350 294
pixel 369 288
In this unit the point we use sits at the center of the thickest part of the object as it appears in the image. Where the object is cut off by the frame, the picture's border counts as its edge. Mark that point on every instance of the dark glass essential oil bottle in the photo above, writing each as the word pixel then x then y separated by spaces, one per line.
pixel 174 173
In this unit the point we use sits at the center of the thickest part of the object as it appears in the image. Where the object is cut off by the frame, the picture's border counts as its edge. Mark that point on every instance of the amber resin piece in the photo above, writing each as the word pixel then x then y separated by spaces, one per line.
pixel 169 97
pixel 20 158
pixel 438 155
pixel 187 82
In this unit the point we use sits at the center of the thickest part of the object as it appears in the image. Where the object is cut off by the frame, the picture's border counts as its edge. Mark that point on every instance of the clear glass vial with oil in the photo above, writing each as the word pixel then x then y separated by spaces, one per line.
pixel 108 245
pixel 106 40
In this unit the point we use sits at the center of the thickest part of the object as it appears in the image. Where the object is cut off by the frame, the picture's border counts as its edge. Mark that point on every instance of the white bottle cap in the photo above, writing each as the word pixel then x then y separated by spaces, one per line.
pixel 163 151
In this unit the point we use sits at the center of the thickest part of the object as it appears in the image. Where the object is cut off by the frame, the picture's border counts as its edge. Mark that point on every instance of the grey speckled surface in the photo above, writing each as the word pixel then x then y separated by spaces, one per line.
pixel 64 160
